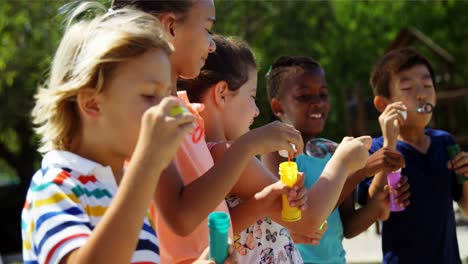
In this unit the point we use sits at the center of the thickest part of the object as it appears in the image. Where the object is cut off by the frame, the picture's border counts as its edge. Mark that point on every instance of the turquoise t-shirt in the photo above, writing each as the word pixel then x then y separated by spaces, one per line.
pixel 331 249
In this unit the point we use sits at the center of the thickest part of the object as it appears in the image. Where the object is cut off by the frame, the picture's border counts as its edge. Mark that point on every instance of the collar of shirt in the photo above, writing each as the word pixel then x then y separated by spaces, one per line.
pixel 79 164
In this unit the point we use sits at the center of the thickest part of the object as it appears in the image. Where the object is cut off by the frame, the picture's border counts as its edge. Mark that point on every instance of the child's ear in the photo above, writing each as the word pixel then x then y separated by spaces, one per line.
pixel 87 103
pixel 276 107
pixel 220 93
pixel 380 102
pixel 168 22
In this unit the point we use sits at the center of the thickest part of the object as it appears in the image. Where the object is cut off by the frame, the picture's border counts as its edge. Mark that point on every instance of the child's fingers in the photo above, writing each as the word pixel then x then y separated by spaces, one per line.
pixel 186 128
pixel 461 155
pixel 403 200
pixel 403 188
pixel 300 181
pixel 385 191
pixel 198 106
pixel 167 103
pixel 231 247
pixel 365 140
pixel 294 137
pixel 300 200
pixel 395 106
pixel 182 119
pixel 460 160
pixel 403 181
pixel 347 139
pixel 392 190
pixel 462 171
pixel 392 153
pixel 393 163
pixel 397 118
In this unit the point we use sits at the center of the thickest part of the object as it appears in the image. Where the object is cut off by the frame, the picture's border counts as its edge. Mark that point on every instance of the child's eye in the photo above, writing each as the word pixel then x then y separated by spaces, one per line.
pixel 324 96
pixel 209 31
pixel 150 98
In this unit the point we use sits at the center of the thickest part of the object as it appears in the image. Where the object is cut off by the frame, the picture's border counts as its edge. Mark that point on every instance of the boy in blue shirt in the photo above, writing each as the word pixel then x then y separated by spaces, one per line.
pixel 425 232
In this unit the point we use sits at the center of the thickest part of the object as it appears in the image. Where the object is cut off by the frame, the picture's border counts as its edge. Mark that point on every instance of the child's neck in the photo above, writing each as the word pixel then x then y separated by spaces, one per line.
pixel 89 151
pixel 174 77
pixel 214 130
pixel 306 138
pixel 416 137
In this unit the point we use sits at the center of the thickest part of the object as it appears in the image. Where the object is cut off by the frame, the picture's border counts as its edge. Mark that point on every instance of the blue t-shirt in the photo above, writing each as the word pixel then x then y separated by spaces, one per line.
pixel 331 249
pixel 425 231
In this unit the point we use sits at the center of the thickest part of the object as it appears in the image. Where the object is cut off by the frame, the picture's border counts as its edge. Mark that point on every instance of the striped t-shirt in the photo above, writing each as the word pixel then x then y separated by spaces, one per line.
pixel 66 200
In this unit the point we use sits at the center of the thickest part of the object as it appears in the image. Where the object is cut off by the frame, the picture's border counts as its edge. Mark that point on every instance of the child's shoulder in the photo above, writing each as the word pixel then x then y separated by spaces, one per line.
pixel 440 134
pixel 63 168
pixel 218 148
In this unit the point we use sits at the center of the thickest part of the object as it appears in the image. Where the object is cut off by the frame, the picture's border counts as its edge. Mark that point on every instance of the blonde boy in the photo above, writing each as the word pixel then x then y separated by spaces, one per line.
pixel 104 102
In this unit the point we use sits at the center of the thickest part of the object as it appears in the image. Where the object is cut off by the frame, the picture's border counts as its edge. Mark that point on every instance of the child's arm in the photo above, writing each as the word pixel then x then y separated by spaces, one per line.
pixel 384 159
pixel 460 165
pixel 260 192
pixel 190 204
pixel 108 243
pixel 324 194
pixel 390 122
pixel 356 221
pixel 377 208
pixel 266 203
pixel 256 177
pixel 204 257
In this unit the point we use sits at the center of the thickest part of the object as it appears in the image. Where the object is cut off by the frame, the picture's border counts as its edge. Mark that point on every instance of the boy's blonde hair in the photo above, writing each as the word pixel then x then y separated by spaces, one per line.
pixel 87 55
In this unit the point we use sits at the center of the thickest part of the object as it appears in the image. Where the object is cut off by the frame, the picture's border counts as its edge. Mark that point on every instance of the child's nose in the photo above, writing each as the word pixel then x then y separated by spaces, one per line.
pixel 315 100
pixel 257 111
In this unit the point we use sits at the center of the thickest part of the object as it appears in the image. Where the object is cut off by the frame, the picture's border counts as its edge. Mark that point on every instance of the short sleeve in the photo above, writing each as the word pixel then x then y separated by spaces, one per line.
pixel 56 222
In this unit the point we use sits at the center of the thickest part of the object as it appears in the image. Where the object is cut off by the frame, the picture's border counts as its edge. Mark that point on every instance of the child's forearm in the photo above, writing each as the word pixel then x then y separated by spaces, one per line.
pixel 107 243
pixel 350 184
pixel 183 208
pixel 323 195
pixel 378 183
pixel 356 221
pixel 246 214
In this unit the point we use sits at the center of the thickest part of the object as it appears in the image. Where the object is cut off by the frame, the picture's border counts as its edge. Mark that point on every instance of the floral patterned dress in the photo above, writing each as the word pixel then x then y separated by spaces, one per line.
pixel 264 242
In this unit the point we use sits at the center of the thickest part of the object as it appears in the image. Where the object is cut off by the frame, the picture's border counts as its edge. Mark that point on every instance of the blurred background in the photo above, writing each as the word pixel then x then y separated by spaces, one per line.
pixel 346 37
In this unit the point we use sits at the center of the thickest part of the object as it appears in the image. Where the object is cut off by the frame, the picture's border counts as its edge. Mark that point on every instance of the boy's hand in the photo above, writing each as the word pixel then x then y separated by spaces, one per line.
pixel 276 136
pixel 385 160
pixel 352 153
pixel 402 193
pixel 381 202
pixel 161 134
pixel 459 164
pixel 390 122
pixel 205 257
pixel 271 195
pixel 313 239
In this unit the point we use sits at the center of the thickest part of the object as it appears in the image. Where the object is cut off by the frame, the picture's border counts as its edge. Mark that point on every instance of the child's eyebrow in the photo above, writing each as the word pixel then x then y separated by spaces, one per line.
pixel 404 79
pixel 427 76
pixel 157 82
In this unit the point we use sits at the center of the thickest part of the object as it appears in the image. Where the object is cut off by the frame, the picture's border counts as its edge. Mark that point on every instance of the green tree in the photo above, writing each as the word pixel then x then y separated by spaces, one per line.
pixel 29 35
